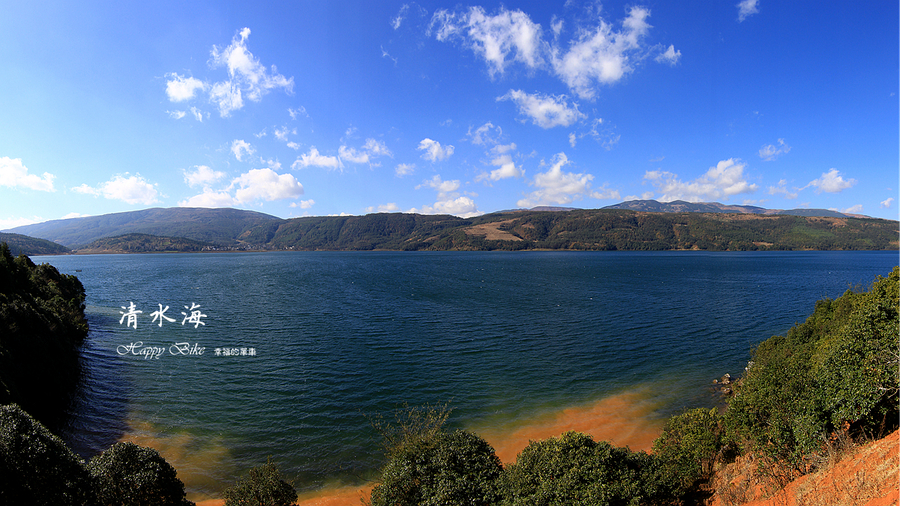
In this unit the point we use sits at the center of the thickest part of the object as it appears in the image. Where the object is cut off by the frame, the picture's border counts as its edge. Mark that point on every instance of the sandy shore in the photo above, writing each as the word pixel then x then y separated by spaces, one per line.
pixel 624 419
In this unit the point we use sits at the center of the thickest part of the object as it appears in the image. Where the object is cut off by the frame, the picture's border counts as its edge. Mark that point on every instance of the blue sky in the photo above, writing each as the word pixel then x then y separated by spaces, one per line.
pixel 335 107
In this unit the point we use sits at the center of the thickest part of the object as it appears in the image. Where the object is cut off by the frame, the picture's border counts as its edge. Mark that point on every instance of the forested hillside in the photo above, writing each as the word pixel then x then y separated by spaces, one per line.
pixel 576 229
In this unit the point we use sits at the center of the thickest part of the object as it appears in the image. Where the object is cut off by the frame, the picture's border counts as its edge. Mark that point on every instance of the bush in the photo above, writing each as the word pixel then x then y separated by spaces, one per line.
pixel 130 475
pixel 439 468
pixel 36 467
pixel 574 469
pixel 263 486
pixel 837 371
pixel 42 326
pixel 688 447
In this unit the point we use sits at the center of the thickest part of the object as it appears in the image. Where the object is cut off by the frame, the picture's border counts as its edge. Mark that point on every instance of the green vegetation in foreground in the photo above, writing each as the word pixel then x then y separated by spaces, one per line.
pixel 42 326
pixel 144 243
pixel 577 229
pixel 24 245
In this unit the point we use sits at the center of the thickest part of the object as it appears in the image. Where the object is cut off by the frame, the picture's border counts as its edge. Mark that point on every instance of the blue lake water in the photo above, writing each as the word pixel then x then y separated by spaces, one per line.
pixel 300 347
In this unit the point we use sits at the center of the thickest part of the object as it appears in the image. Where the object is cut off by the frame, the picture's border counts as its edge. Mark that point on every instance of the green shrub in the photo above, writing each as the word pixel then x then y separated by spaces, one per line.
pixel 573 469
pixel 687 448
pixel 42 325
pixel 130 475
pixel 439 468
pixel 36 467
pixel 263 486
pixel 837 371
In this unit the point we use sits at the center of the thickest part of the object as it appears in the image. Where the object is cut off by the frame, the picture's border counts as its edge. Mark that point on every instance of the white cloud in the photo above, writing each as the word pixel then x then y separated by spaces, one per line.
pixel 506 36
pixel 209 198
pixel 404 169
pixel 483 135
pixel 831 182
pixel 770 152
pixel 781 189
pixel 303 204
pixel 371 149
pixel 246 76
pixel 556 186
pixel 670 56
pixel 464 207
pixel 198 114
pixel 606 194
pixel 176 114
pixel 314 159
pixel 85 189
pixel 385 208
pixel 8 223
pixel 202 176
pixel 602 56
pixel 886 204
pixel 293 145
pixel 857 209
pixel 132 190
pixel 14 174
pixel 265 184
pixel 545 111
pixel 180 89
pixel 746 8
pixel 283 132
pixel 299 111
pixel 398 20
pixel 434 151
pixel 443 187
pixel 239 147
pixel 719 182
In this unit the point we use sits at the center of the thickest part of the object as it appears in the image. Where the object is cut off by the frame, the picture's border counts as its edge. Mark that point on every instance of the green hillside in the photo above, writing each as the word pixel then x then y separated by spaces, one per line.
pixel 24 245
pixel 144 243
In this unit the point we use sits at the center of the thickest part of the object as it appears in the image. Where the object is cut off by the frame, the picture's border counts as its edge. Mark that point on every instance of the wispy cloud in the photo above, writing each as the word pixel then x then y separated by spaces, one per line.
pixel 598 53
pixel 746 8
pixel 720 182
pixel 433 151
pixel 556 186
pixel 314 159
pixel 131 190
pixel 14 174
pixel 886 204
pixel 239 147
pixel 201 175
pixel 545 111
pixel 831 182
pixel 770 152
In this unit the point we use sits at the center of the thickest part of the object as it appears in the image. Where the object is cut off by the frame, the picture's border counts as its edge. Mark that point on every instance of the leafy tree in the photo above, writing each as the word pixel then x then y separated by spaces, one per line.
pixel 573 469
pixel 687 448
pixel 36 467
pixel 263 486
pixel 130 475
pixel 440 468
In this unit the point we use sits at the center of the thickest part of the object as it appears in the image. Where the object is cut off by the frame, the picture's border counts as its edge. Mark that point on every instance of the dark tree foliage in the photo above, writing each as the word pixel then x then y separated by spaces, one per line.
pixel 130 475
pixel 438 469
pixel 263 486
pixel 835 372
pixel 686 450
pixel 42 326
pixel 573 469
pixel 36 467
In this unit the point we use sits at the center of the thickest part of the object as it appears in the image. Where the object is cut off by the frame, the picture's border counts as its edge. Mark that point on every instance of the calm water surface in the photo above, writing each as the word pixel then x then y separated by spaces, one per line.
pixel 341 336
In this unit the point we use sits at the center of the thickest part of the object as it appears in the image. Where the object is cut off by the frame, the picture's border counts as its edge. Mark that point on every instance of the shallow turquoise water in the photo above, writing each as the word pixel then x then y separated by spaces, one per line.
pixel 339 336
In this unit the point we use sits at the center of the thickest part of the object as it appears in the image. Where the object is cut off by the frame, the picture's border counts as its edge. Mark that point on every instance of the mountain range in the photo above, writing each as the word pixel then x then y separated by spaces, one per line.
pixel 633 225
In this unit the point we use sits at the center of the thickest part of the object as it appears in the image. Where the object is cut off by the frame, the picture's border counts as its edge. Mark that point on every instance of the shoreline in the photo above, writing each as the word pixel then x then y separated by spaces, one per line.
pixel 626 418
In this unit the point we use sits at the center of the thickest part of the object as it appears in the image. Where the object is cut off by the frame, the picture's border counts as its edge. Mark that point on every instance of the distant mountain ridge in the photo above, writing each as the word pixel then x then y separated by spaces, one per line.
pixel 704 226
pixel 220 226
pixel 680 206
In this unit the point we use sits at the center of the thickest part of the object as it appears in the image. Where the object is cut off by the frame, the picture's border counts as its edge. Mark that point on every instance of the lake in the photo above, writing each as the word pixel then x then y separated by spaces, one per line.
pixel 288 355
